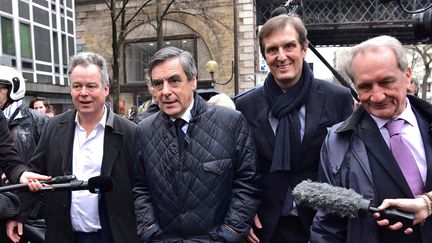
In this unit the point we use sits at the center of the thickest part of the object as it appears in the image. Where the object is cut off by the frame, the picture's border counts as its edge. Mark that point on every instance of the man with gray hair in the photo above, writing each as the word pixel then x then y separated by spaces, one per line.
pixel 89 141
pixel 383 150
pixel 197 172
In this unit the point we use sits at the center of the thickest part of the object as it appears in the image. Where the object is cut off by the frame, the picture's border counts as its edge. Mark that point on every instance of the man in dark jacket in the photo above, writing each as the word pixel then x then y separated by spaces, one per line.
pixel 363 152
pixel 9 203
pixel 196 174
pixel 25 125
pixel 289 116
pixel 87 142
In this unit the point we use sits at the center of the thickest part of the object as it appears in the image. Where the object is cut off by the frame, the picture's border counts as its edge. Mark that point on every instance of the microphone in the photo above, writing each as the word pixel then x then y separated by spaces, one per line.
pixel 24 187
pixel 97 184
pixel 289 7
pixel 344 202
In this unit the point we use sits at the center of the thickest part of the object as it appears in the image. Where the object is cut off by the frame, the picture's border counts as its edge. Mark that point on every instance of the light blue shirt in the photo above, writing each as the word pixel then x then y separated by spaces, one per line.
pixel 274 122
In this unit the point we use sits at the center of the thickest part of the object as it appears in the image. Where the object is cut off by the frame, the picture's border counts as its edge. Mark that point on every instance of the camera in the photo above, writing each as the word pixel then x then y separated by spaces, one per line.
pixel 422 25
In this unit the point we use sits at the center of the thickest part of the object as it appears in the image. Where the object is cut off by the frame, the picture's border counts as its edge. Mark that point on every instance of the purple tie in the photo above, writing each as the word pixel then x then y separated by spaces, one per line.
pixel 404 157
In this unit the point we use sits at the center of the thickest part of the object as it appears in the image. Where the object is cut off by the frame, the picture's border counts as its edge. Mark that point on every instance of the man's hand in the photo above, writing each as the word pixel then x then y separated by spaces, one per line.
pixel 14 230
pixel 32 179
pixel 412 205
pixel 251 236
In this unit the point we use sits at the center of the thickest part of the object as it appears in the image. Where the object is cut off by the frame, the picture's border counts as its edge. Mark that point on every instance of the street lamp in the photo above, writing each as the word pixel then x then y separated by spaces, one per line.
pixel 213 66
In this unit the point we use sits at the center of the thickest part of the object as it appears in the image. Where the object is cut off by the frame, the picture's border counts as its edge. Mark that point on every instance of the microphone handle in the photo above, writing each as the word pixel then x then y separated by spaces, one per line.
pixel 71 186
pixel 13 187
pixel 395 215
pixel 24 187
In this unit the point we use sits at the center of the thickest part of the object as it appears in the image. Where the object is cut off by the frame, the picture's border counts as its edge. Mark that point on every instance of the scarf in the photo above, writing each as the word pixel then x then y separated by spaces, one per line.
pixel 284 107
pixel 11 111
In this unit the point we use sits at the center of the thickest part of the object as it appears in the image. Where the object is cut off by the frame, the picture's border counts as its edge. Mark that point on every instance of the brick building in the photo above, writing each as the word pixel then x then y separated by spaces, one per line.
pixel 210 38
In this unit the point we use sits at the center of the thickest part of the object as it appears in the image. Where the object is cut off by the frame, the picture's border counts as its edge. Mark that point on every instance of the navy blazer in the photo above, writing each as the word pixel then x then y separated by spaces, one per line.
pixel 326 105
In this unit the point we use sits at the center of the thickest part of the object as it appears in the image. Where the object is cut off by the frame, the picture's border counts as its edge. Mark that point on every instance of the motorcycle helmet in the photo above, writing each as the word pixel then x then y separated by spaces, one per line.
pixel 15 82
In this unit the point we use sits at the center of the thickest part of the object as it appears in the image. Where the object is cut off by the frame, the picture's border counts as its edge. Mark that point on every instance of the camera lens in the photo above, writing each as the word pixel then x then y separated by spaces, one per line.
pixel 422 25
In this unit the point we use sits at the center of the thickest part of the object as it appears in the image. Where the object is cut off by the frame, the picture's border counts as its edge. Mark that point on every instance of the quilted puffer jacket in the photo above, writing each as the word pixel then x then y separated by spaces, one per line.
pixel 212 185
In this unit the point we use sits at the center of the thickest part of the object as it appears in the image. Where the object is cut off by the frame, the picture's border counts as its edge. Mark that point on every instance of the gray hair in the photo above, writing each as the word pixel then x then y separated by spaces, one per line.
pixel 378 42
pixel 88 58
pixel 185 58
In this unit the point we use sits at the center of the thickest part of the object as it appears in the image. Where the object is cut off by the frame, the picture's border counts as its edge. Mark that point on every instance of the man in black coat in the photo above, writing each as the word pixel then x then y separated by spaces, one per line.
pixel 12 165
pixel 196 173
pixel 9 159
pixel 87 142
pixel 289 116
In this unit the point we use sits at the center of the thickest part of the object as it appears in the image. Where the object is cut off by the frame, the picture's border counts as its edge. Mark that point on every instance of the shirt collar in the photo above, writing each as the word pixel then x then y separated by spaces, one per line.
pixel 101 123
pixel 407 115
pixel 187 115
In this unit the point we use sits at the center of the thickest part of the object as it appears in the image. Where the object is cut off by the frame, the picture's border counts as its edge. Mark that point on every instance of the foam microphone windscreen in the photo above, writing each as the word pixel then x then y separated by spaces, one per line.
pixel 100 184
pixel 330 199
pixel 344 202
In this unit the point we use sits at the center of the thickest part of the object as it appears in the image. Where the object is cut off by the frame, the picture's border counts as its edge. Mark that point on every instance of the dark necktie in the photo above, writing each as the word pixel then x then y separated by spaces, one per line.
pixel 404 156
pixel 179 123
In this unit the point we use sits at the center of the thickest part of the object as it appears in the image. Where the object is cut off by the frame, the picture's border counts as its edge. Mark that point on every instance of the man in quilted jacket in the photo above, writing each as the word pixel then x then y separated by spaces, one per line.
pixel 196 177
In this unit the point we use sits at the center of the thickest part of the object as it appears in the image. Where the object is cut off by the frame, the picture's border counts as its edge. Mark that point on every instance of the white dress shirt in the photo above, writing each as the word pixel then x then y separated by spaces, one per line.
pixel 86 163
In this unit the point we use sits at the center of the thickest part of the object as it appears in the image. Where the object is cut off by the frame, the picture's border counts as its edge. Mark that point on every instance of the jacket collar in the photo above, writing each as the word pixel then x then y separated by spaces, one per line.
pixel 198 109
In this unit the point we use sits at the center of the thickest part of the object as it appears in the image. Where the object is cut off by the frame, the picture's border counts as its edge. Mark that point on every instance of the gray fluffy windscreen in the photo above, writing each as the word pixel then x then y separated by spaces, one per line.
pixel 330 199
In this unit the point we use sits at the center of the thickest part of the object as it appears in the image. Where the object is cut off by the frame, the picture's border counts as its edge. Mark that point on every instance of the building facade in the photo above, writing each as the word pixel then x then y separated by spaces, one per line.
pixel 37 37
pixel 205 28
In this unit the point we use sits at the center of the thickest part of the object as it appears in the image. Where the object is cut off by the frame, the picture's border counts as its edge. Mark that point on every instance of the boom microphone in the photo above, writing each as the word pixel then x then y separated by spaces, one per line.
pixel 24 187
pixel 343 202
pixel 289 7
pixel 97 184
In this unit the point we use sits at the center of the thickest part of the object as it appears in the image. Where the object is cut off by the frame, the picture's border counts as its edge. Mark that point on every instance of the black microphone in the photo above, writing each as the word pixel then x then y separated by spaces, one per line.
pixel 97 184
pixel 344 202
pixel 289 7
pixel 24 187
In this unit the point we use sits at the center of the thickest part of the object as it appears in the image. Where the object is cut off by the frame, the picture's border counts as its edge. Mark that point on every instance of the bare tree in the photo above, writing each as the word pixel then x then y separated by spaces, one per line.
pixel 194 8
pixel 421 54
pixel 123 22
pixel 118 12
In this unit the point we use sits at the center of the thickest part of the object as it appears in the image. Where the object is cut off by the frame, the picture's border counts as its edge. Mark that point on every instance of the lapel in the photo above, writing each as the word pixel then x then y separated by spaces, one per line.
pixel 112 146
pixel 66 128
pixel 426 133
pixel 313 113
pixel 262 119
pixel 375 144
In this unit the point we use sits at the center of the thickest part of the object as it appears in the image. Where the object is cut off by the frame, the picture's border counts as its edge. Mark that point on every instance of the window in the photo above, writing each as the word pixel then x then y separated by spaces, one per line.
pixel 56 48
pixel 26 49
pixel 42 42
pixel 138 56
pixel 7 35
pixel 64 49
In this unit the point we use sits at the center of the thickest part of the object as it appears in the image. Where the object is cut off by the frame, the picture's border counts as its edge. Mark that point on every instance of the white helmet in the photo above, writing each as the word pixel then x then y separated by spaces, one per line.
pixel 15 80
